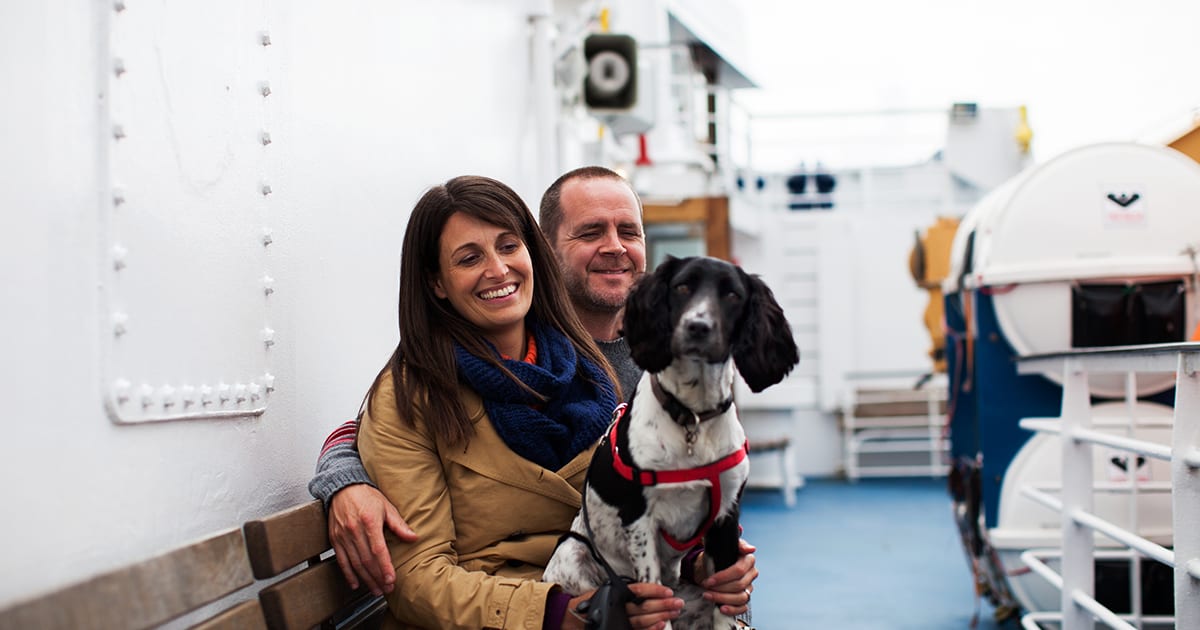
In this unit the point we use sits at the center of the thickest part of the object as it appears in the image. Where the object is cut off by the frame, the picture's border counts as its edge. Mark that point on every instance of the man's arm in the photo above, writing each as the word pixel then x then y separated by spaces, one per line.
pixel 358 513
pixel 339 465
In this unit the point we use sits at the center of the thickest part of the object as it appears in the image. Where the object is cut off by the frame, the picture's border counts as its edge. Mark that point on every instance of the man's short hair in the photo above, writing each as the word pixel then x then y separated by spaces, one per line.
pixel 550 214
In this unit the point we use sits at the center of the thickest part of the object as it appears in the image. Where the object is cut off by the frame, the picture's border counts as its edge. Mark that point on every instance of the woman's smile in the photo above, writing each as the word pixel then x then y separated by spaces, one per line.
pixel 502 292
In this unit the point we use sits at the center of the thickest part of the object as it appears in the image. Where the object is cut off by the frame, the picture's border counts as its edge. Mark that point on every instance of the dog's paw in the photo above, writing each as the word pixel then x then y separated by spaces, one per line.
pixel 721 621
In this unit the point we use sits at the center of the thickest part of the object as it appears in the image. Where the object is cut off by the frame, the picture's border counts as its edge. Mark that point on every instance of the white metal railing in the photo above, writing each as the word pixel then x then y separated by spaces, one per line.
pixel 1080 610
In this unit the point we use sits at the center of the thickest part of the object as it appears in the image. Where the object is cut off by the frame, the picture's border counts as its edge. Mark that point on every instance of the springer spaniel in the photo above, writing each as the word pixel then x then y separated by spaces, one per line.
pixel 669 474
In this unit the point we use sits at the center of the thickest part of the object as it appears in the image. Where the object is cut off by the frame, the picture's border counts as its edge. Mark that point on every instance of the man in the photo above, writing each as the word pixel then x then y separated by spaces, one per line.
pixel 593 220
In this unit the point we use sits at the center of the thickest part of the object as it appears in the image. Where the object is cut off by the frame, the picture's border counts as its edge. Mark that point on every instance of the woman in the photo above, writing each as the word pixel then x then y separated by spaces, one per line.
pixel 481 427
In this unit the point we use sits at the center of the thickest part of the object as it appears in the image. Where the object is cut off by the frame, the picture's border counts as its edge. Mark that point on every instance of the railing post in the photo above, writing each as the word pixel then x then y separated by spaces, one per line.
pixel 1078 568
pixel 1185 493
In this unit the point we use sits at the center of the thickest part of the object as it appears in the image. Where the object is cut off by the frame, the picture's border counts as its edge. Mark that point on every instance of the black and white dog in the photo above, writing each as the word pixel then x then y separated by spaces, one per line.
pixel 670 472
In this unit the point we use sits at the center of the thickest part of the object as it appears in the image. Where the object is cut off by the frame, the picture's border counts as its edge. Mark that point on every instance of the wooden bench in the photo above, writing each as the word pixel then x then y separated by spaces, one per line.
pixel 782 447
pixel 316 594
pixel 153 592
pixel 899 430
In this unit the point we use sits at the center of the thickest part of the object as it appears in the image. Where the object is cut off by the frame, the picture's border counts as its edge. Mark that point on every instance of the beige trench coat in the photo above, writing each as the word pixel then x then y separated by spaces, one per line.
pixel 488 519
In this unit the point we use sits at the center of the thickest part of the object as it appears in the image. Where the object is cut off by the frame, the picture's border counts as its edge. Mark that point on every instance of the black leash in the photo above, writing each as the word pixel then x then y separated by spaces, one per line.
pixel 606 609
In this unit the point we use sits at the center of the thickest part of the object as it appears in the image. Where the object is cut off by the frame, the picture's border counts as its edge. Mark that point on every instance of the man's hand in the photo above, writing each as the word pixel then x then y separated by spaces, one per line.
pixel 730 588
pixel 357 516
pixel 659 606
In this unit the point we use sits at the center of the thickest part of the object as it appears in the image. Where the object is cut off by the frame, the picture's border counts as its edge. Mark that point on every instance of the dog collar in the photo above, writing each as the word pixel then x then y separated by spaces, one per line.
pixel 711 472
pixel 681 413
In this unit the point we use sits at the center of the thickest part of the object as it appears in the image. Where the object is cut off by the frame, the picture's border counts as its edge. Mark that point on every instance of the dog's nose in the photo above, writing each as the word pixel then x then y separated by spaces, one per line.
pixel 698 329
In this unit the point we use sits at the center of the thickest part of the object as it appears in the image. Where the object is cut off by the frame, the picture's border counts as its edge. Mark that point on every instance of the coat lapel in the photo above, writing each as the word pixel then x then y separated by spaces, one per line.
pixel 488 455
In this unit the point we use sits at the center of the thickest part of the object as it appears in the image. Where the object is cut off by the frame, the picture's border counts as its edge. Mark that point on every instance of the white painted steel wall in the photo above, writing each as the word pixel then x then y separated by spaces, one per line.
pixel 842 276
pixel 370 103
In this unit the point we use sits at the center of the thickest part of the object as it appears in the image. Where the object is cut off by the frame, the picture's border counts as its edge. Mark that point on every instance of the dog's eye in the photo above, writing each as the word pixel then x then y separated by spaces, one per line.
pixel 732 297
pixel 683 289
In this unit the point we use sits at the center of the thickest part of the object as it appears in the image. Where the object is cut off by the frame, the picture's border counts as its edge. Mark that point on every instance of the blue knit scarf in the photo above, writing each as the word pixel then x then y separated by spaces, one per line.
pixel 579 405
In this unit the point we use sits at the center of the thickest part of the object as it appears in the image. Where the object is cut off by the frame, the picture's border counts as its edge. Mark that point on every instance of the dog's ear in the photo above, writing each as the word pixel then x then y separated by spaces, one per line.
pixel 648 318
pixel 764 349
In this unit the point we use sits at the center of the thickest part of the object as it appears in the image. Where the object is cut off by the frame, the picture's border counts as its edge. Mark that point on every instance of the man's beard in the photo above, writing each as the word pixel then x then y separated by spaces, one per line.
pixel 585 298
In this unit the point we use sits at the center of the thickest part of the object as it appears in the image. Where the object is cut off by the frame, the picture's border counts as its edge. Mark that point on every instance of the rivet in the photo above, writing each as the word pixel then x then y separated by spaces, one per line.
pixel 254 389
pixel 206 395
pixel 118 66
pixel 266 237
pixel 187 394
pixel 223 393
pixel 264 88
pixel 167 394
pixel 119 253
pixel 121 390
pixel 264 38
pixel 269 382
pixel 118 197
pixel 119 320
pixel 266 189
pixel 118 132
pixel 265 138
pixel 268 285
pixel 240 392
pixel 268 337
pixel 147 395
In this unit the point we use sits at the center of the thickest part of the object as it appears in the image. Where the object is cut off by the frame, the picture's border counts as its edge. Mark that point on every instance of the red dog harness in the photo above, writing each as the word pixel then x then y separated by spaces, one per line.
pixel 710 472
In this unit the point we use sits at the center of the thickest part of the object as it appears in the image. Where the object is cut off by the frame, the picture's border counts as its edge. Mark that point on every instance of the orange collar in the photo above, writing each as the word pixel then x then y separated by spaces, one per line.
pixel 530 354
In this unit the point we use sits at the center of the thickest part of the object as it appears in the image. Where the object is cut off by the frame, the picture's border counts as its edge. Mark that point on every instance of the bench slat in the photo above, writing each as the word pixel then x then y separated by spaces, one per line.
pixel 305 599
pixel 247 615
pixel 143 595
pixel 909 408
pixel 283 540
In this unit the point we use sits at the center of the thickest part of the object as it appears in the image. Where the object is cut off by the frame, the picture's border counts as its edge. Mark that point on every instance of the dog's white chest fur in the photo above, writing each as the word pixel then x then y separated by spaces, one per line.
pixel 658 442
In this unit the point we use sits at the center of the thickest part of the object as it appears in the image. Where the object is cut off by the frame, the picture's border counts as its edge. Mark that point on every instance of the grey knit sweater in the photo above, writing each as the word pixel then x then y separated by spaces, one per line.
pixel 339 464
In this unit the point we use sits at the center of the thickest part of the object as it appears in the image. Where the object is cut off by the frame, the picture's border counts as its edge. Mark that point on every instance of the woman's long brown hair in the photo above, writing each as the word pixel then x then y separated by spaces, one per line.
pixel 424 371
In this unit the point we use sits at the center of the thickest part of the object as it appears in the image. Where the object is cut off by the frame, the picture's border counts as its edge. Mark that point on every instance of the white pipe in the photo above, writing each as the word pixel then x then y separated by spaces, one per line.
pixel 1114 487
pixel 1141 447
pixel 1082 599
pixel 1099 611
pixel 1086 519
pixel 1078 568
pixel 1029 621
pixel 1185 503
pixel 1135 563
pixel 541 75
pixel 1031 560
pixel 1125 537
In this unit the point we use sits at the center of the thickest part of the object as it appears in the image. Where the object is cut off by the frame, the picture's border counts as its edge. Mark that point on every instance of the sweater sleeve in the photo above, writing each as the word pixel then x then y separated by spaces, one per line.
pixel 339 464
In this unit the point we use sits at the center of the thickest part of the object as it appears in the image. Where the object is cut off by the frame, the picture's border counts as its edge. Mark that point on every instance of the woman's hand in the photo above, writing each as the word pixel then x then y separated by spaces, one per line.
pixel 659 606
pixel 730 588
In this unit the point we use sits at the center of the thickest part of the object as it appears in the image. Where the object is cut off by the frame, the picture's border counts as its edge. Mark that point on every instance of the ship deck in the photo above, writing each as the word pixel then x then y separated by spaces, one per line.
pixel 876 554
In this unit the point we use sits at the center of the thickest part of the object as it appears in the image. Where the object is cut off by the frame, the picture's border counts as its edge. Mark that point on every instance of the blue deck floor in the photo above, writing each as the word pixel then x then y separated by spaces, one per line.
pixel 879 554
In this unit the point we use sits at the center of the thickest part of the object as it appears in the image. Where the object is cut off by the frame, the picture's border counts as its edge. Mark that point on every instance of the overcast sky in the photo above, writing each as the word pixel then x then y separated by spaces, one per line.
pixel 1087 71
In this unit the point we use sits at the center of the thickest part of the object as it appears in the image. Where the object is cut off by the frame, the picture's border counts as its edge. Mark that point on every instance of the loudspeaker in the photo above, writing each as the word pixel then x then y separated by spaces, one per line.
pixel 611 81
